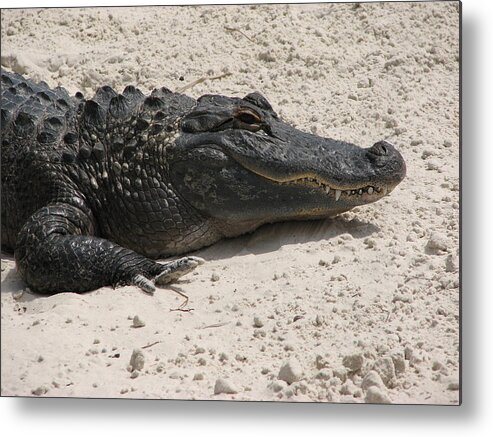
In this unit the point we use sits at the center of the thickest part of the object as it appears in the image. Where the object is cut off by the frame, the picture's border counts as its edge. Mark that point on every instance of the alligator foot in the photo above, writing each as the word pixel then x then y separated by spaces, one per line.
pixel 171 272
pixel 174 270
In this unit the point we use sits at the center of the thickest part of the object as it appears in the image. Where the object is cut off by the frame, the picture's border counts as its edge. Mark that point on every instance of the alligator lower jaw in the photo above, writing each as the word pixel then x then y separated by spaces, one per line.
pixel 371 192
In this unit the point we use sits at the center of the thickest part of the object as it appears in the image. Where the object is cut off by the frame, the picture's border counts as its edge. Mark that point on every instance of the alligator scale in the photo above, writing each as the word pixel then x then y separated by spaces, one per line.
pixel 94 189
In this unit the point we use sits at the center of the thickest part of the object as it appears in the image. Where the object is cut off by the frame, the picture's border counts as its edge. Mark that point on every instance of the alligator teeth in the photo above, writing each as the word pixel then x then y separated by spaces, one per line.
pixel 359 191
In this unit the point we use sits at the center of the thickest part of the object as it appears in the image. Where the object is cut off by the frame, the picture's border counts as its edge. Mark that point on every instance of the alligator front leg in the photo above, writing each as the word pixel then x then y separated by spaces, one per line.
pixel 56 252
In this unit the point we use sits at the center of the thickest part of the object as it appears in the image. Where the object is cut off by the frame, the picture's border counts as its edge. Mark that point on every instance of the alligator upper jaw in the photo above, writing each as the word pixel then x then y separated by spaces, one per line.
pixel 358 192
pixel 340 169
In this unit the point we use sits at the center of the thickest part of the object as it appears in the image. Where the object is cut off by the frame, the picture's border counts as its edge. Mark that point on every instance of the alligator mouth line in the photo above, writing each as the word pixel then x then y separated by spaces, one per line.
pixel 368 190
pixel 372 192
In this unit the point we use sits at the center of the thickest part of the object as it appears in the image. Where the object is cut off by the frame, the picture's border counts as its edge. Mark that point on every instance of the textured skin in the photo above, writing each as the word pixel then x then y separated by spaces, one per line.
pixel 92 189
pixel 58 155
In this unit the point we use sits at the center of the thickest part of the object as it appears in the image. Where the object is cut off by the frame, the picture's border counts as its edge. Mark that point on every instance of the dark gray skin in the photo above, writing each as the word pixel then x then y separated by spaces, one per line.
pixel 93 189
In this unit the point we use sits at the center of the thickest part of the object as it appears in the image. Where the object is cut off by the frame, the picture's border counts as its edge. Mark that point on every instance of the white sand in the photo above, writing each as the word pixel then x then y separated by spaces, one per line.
pixel 363 291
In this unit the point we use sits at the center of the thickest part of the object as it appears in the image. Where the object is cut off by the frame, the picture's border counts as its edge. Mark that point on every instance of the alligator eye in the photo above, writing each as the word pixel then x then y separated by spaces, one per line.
pixel 246 118
pixel 246 115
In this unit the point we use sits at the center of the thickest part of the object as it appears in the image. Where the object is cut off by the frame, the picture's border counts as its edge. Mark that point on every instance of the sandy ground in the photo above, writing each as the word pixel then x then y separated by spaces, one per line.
pixel 362 308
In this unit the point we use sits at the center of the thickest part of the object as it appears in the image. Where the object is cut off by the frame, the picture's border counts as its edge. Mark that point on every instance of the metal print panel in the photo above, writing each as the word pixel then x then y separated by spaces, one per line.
pixel 255 202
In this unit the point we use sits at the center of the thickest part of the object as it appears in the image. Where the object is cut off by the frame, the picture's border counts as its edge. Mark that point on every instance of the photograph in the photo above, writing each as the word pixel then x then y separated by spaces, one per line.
pixel 256 202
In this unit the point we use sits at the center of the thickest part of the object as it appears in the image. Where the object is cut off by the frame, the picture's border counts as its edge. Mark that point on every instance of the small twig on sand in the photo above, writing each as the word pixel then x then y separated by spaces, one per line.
pixel 178 291
pixel 151 344
pixel 202 79
pixel 184 303
pixel 215 325
pixel 235 29
pixel 183 310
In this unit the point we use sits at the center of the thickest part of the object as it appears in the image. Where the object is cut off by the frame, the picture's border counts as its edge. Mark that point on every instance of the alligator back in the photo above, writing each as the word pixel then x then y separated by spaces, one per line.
pixel 61 148
pixel 37 124
pixel 68 165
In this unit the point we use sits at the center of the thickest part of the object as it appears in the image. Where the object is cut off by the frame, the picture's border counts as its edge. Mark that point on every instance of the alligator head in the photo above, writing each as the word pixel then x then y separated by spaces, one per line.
pixel 239 163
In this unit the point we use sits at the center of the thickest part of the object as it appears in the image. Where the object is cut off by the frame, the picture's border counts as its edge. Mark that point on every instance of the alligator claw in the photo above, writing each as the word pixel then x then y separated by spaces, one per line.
pixel 174 270
pixel 197 258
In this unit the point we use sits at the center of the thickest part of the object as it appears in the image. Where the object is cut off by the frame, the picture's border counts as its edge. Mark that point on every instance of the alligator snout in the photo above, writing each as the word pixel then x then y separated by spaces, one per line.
pixel 384 154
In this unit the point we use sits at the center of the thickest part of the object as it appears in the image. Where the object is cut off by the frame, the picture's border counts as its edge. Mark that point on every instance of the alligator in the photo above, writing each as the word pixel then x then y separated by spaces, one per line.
pixel 95 190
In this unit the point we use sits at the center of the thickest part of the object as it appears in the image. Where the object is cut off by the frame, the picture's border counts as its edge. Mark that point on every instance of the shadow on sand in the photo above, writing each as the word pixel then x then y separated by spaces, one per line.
pixel 272 237
pixel 12 282
pixel 268 238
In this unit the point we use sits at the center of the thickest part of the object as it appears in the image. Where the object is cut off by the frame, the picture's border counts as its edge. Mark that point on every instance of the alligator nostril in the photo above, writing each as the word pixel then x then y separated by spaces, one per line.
pixel 381 148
